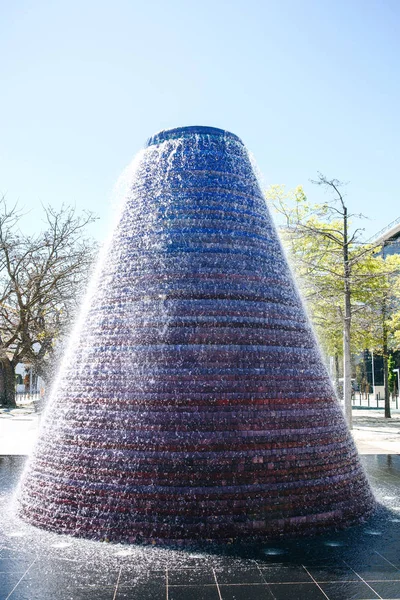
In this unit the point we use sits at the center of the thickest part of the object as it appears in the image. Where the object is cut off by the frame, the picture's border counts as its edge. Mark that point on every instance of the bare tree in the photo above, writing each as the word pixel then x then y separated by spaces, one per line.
pixel 41 276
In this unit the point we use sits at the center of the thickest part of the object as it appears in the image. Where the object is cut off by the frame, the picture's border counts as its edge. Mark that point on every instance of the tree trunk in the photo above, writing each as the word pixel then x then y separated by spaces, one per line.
pixel 386 372
pixel 337 374
pixel 347 374
pixel 346 327
pixel 8 387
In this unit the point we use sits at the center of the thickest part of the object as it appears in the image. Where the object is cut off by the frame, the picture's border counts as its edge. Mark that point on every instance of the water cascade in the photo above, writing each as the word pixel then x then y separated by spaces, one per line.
pixel 193 402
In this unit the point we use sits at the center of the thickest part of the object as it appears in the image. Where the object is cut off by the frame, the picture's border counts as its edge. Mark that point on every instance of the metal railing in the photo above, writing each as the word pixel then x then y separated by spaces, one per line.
pixel 23 398
pixel 373 401
pixel 380 233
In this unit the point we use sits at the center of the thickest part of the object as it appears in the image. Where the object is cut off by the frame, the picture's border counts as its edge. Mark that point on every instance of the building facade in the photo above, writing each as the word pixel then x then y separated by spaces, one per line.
pixel 390 239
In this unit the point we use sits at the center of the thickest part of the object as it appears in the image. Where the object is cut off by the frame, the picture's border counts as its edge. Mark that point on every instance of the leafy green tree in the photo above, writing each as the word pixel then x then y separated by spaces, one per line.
pixel 382 316
pixel 338 274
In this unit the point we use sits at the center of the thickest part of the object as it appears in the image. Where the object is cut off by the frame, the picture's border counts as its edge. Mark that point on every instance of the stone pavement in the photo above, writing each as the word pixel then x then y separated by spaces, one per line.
pixel 360 563
pixel 374 434
pixel 18 431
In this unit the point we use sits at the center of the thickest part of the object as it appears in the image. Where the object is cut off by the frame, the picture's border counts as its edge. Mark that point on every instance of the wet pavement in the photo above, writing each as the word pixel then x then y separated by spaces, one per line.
pixel 361 563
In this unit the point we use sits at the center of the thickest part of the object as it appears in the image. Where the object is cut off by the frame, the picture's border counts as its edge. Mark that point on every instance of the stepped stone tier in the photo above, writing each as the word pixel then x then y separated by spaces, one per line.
pixel 193 402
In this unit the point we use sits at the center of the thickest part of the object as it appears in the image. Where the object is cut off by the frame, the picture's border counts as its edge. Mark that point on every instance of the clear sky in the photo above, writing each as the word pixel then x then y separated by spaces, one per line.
pixel 309 85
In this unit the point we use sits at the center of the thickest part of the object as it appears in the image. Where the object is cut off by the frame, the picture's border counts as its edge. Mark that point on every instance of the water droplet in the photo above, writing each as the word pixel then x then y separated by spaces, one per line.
pixel 274 551
pixel 61 545
pixel 122 553
pixel 333 544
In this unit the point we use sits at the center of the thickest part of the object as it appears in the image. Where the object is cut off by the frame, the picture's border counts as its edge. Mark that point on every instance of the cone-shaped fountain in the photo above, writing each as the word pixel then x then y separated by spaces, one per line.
pixel 193 402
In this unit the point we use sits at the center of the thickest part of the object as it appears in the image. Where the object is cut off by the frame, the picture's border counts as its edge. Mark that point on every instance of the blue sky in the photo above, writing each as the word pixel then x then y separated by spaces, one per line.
pixel 309 85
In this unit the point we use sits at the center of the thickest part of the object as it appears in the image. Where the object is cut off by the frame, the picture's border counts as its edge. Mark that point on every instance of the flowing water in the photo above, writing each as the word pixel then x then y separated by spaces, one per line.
pixel 193 402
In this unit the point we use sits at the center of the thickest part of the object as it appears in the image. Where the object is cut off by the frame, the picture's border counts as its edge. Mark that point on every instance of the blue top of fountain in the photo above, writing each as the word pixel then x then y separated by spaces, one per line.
pixel 177 132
